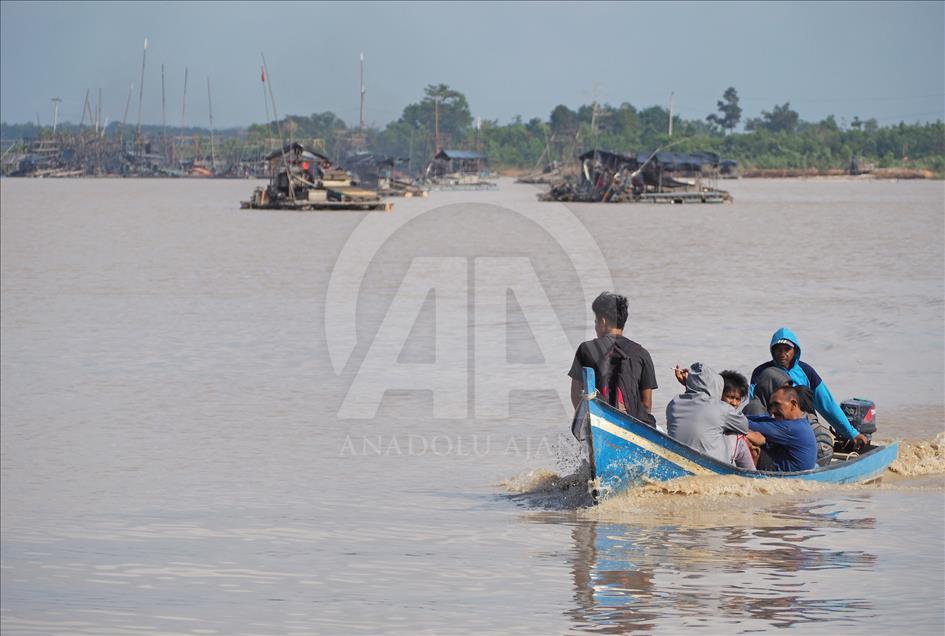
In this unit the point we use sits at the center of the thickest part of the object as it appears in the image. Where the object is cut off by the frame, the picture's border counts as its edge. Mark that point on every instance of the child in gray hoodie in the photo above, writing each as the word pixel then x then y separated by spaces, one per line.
pixel 701 420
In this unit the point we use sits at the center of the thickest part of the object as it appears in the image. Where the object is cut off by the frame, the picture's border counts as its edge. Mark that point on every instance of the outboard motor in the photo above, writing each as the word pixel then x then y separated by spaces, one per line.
pixel 861 413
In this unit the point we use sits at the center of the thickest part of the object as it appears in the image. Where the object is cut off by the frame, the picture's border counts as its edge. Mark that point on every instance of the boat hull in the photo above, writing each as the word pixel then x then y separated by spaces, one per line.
pixel 626 452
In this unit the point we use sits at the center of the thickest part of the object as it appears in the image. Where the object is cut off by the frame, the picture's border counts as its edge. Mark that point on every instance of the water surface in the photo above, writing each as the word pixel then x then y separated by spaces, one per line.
pixel 173 460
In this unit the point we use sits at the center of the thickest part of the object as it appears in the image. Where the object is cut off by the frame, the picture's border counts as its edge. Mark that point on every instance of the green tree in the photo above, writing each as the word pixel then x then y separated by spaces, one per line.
pixel 780 119
pixel 829 123
pixel 731 112
pixel 563 119
pixel 451 107
pixel 654 126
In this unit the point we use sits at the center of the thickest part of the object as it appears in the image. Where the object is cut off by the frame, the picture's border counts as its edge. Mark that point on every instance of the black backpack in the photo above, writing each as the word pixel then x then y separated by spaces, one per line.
pixel 616 379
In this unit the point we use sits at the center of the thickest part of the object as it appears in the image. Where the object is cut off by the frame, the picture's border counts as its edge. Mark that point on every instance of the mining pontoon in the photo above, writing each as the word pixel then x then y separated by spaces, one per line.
pixel 459 170
pixel 303 179
pixel 658 177
pixel 387 174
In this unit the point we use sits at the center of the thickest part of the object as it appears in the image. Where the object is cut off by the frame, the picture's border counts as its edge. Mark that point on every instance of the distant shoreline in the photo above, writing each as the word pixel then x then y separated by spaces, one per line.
pixel 879 173
pixel 885 174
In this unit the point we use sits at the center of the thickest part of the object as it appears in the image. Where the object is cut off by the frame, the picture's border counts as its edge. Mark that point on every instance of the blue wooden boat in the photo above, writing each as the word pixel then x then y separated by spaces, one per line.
pixel 624 452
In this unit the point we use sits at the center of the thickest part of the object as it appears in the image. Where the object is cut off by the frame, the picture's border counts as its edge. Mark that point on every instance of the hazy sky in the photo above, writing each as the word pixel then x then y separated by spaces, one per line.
pixel 882 60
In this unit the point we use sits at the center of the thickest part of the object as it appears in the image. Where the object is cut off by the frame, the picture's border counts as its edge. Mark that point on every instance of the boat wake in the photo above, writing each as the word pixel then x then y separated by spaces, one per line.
pixel 541 488
pixel 709 501
pixel 547 489
pixel 919 458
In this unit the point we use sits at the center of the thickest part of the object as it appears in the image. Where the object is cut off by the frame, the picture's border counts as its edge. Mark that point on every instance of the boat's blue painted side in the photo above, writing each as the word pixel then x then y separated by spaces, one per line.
pixel 625 451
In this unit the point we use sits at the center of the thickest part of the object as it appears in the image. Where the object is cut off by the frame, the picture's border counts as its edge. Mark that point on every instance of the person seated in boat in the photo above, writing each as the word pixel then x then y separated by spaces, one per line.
pixel 623 368
pixel 786 356
pixel 772 379
pixel 743 450
pixel 701 419
pixel 789 440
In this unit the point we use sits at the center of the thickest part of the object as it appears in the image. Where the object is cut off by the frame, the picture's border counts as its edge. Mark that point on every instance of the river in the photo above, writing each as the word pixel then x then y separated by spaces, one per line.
pixel 224 421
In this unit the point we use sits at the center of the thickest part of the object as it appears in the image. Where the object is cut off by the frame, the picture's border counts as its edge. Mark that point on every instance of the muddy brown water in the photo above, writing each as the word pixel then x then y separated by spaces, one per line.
pixel 177 457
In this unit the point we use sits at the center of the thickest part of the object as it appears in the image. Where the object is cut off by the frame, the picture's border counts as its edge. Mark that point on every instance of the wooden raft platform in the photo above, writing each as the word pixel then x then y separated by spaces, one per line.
pixel 352 193
pixel 484 185
pixel 406 194
pixel 306 205
pixel 717 196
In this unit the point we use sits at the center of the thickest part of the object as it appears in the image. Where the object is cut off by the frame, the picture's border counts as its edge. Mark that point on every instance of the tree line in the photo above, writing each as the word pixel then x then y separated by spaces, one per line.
pixel 777 139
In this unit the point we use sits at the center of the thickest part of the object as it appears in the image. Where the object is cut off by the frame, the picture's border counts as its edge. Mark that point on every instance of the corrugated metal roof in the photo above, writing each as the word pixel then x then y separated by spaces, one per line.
pixel 459 154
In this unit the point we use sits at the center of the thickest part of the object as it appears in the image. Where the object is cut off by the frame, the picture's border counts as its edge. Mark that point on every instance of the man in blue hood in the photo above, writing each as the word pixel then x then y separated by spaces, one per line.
pixel 786 355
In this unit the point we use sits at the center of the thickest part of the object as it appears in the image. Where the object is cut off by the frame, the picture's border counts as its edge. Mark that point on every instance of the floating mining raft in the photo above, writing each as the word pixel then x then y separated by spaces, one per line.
pixel 396 188
pixel 461 183
pixel 302 179
pixel 660 177
pixel 568 193
pixel 458 170
pixel 386 174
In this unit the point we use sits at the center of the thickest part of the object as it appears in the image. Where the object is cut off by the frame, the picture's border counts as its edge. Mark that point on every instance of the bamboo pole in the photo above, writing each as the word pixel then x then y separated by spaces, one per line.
pixel 163 116
pixel 275 114
pixel 213 158
pixel 183 111
pixel 144 57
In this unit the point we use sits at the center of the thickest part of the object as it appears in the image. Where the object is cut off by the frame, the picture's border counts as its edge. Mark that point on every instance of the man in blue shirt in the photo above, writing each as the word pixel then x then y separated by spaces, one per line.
pixel 789 440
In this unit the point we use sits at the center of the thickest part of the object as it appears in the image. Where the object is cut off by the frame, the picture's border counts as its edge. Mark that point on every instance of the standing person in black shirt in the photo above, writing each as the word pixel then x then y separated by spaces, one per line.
pixel 623 369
